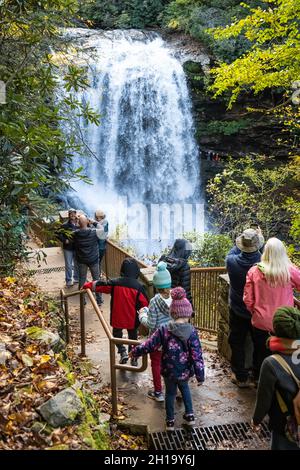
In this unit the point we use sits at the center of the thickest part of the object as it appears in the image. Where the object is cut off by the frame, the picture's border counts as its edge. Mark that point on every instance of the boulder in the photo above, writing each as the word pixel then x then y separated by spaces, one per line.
pixel 47 337
pixel 62 409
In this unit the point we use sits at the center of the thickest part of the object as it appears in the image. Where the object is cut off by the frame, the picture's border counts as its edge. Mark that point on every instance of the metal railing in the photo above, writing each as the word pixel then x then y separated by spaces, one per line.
pixel 112 341
pixel 205 293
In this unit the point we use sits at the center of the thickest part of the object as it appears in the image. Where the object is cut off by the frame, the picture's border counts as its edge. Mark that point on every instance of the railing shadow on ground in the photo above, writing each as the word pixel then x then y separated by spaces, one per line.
pixel 112 341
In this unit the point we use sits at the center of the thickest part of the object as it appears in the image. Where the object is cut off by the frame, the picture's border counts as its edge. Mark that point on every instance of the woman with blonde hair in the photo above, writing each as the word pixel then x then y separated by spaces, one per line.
pixel 269 285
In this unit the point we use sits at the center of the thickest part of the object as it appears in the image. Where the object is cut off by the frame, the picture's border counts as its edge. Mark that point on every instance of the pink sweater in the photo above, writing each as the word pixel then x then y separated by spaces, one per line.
pixel 262 300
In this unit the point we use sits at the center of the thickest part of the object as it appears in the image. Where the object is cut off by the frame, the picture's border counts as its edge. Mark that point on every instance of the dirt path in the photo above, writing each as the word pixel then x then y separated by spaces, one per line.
pixel 218 401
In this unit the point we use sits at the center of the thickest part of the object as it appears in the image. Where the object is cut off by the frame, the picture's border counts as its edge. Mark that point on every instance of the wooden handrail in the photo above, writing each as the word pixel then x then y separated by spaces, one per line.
pixel 118 248
pixel 208 268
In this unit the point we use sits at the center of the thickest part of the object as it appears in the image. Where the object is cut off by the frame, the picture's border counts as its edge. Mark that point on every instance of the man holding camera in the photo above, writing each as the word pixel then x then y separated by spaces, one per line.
pixel 65 235
pixel 87 251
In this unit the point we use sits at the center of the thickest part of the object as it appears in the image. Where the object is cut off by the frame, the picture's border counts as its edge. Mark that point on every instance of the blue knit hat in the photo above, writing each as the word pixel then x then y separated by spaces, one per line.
pixel 162 277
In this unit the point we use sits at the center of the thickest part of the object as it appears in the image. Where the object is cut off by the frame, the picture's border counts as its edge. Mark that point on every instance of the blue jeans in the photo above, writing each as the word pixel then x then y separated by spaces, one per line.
pixel 171 389
pixel 70 266
pixel 95 272
pixel 101 256
pixel 280 442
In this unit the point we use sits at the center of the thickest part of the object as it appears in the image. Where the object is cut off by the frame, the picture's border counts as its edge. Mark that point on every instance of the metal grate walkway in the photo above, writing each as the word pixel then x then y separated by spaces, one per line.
pixel 47 270
pixel 236 436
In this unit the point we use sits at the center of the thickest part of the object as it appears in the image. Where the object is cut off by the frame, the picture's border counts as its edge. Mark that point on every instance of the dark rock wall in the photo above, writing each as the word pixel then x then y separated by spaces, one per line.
pixel 234 132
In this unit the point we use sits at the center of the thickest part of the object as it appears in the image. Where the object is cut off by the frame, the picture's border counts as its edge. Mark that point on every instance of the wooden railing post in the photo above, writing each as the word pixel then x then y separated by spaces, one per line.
pixel 82 323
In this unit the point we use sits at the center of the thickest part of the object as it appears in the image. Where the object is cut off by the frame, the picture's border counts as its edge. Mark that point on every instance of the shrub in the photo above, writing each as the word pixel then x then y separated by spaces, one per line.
pixel 209 249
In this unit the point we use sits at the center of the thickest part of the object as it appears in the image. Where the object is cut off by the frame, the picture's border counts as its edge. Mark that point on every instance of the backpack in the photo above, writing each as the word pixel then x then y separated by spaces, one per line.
pixel 292 428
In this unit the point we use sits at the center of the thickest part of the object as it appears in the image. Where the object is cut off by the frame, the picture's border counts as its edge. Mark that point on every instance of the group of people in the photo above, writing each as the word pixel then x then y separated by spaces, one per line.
pixel 173 344
pixel 261 300
pixel 211 156
pixel 84 244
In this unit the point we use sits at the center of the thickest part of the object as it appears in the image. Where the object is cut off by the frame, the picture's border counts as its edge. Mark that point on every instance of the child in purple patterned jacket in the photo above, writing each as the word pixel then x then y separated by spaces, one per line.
pixel 181 356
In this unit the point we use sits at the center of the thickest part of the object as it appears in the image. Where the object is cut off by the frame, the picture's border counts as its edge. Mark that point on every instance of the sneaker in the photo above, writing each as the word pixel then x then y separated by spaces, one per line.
pixel 189 419
pixel 124 357
pixel 157 396
pixel 69 284
pixel 170 425
pixel 134 362
pixel 240 383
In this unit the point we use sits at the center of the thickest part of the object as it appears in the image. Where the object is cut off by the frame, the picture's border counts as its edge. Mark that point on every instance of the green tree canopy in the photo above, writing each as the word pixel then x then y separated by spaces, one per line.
pixel 273 60
pixel 35 156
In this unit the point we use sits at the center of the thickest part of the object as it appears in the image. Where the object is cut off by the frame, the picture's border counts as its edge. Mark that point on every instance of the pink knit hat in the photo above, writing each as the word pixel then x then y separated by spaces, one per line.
pixel 180 306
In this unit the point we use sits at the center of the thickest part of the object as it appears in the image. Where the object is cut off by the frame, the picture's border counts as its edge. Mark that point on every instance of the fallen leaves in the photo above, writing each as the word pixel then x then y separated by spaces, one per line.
pixel 32 373
pixel 27 360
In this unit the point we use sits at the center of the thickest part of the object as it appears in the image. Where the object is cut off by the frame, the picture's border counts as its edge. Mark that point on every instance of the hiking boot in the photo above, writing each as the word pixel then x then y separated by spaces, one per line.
pixel 157 396
pixel 170 425
pixel 134 362
pixel 189 419
pixel 240 383
pixel 124 357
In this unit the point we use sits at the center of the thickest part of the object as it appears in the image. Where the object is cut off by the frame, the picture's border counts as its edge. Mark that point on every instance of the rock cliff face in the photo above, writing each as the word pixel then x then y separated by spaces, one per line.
pixel 234 132
pixel 223 325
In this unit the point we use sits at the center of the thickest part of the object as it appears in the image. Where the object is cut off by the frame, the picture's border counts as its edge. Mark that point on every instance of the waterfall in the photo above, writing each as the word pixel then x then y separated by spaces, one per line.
pixel 144 150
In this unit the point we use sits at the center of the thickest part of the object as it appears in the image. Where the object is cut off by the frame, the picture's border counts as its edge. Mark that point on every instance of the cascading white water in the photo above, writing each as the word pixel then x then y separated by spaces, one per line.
pixel 144 148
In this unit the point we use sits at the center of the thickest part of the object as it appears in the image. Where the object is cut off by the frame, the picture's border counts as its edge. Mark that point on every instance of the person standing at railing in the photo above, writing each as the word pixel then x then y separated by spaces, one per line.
pixel 269 285
pixel 87 252
pixel 65 235
pixel 128 296
pixel 177 265
pixel 238 262
pixel 101 219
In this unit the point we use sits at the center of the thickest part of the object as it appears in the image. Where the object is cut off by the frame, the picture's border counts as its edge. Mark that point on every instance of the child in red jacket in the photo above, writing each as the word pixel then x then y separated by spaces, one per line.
pixel 128 296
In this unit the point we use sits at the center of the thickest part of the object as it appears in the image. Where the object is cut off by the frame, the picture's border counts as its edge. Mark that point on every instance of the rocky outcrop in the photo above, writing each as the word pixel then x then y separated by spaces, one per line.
pixel 223 326
pixel 223 315
pixel 62 409
pixel 234 132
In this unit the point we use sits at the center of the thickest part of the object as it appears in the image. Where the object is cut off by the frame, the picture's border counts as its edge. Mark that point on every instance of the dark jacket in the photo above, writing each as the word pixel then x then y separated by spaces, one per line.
pixel 238 264
pixel 273 377
pixel 86 246
pixel 128 296
pixel 181 351
pixel 177 265
pixel 66 234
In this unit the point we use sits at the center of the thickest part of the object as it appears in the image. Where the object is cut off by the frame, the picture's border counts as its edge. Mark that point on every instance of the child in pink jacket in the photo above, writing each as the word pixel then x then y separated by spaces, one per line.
pixel 269 285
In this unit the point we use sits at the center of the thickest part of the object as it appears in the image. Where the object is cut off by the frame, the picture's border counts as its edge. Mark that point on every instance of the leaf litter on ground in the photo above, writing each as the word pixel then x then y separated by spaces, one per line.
pixel 31 373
